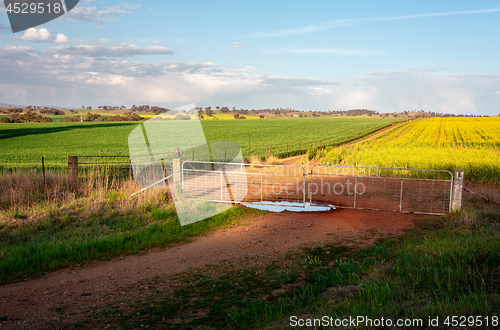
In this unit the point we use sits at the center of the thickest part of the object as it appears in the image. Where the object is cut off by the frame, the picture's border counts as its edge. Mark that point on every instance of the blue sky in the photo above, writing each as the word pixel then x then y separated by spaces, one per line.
pixel 387 56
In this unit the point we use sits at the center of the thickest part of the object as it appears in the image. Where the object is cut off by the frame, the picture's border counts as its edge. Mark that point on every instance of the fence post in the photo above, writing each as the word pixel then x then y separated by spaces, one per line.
pixel 177 167
pixel 43 170
pixel 458 184
pixel 73 172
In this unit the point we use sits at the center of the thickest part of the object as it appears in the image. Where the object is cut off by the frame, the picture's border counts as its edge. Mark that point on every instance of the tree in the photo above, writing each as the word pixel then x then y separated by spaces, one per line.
pixel 208 111
pixel 236 116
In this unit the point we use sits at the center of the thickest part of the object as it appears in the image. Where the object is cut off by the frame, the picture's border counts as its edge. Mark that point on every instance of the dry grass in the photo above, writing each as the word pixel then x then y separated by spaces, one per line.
pixel 25 197
pixel 255 160
pixel 480 205
pixel 24 189
pixel 273 160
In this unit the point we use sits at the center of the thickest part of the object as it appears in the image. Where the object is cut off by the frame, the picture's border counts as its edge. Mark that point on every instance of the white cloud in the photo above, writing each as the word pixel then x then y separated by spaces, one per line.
pixel 348 22
pixel 41 35
pixel 59 76
pixel 92 14
pixel 7 51
pixel 427 89
pixel 236 44
pixel 60 39
pixel 132 6
pixel 106 49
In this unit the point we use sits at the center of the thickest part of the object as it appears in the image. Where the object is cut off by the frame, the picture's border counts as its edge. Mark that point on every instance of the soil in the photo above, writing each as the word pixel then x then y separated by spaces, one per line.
pixel 67 292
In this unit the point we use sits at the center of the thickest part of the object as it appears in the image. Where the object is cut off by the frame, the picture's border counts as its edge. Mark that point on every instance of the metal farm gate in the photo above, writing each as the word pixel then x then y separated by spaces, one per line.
pixel 243 183
pixel 374 188
pixel 387 189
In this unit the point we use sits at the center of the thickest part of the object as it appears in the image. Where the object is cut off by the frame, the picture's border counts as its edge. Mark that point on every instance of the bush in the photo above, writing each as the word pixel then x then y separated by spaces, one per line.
pixel 255 160
pixel 72 119
pixel 5 120
pixel 29 117
pixel 93 117
pixel 273 160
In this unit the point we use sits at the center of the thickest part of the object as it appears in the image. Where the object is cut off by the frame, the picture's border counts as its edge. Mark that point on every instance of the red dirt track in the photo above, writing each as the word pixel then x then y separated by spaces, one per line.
pixel 37 301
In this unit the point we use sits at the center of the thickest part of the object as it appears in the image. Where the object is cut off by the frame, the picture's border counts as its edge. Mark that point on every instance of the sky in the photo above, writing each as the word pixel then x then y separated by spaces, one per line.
pixel 440 56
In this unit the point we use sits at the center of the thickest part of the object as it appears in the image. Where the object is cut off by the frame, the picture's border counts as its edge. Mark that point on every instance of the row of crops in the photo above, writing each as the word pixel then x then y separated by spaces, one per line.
pixel 437 143
pixel 24 145
pixel 289 137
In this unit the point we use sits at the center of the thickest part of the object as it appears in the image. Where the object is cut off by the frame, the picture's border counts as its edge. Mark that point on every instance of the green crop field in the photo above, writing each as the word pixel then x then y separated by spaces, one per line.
pixel 23 145
pixel 471 144
pixel 272 136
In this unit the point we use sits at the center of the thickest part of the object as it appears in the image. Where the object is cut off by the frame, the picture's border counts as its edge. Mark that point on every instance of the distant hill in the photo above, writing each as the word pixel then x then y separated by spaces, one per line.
pixel 10 105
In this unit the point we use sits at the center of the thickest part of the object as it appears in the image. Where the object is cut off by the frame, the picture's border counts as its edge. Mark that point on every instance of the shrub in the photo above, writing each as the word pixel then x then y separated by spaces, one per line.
pixel 255 160
pixel 273 160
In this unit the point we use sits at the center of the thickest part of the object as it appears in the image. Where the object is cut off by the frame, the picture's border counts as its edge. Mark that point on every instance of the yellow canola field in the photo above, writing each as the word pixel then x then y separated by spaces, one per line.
pixel 437 143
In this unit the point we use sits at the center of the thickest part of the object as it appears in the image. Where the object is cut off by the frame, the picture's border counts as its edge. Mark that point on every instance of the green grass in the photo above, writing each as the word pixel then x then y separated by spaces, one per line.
pixel 83 231
pixel 23 145
pixel 439 269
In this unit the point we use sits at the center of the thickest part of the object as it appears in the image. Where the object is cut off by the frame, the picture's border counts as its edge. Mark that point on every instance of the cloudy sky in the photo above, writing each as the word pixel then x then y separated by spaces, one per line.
pixel 441 56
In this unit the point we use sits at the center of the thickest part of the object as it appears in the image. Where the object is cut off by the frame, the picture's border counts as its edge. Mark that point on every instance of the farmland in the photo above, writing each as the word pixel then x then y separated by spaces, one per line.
pixel 23 145
pixel 468 143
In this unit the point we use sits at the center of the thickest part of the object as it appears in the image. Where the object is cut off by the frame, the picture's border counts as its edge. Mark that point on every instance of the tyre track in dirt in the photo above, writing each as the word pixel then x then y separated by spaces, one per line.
pixel 69 292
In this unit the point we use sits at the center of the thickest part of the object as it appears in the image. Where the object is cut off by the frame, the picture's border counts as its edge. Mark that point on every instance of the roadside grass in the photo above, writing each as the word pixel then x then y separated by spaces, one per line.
pixel 443 267
pixel 65 228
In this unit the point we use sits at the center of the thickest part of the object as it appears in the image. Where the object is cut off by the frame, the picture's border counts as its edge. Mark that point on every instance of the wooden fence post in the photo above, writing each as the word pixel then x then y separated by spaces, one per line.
pixel 43 170
pixel 73 172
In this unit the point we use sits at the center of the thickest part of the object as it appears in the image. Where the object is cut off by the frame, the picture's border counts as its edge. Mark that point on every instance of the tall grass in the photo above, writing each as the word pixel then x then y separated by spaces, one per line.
pixel 59 227
pixel 24 189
